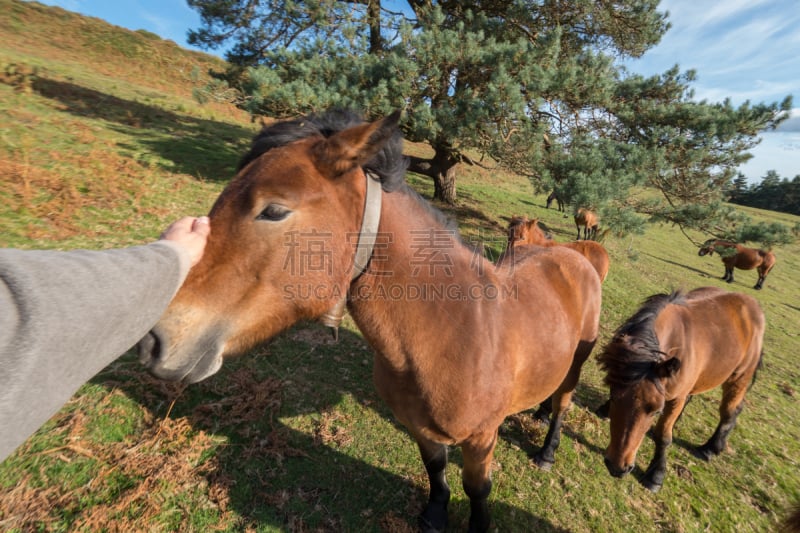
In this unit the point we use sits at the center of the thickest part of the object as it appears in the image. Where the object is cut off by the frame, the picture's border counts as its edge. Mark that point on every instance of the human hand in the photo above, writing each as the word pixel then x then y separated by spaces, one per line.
pixel 191 233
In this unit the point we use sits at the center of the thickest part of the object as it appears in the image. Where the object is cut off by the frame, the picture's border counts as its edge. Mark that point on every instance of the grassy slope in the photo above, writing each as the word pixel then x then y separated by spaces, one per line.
pixel 103 145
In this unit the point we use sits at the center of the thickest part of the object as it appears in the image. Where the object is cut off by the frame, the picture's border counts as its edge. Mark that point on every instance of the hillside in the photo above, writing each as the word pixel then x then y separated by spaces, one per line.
pixel 99 122
pixel 102 145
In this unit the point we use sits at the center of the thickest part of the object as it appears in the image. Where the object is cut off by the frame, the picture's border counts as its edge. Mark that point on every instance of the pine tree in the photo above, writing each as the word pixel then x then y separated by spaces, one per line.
pixel 534 86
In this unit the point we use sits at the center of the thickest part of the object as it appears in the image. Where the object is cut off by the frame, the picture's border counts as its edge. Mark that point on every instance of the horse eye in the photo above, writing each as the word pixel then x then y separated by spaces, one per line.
pixel 274 213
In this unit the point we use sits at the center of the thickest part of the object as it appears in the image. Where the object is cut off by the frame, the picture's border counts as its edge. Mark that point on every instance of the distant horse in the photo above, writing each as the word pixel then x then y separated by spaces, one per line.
pixel 737 256
pixel 459 342
pixel 559 202
pixel 673 347
pixel 588 219
pixel 522 230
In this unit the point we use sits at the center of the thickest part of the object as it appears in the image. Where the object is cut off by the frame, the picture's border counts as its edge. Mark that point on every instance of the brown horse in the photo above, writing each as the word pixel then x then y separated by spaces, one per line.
pixel 588 219
pixel 522 230
pixel 474 343
pixel 737 256
pixel 675 346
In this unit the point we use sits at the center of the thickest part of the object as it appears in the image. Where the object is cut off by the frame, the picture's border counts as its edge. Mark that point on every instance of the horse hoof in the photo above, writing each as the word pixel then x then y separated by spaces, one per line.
pixel 703 452
pixel 651 486
pixel 426 527
pixel 544 464
pixel 433 519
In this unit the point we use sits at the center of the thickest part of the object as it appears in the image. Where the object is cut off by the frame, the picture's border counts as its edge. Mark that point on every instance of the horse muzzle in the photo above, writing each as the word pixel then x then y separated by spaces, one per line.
pixel 615 470
pixel 188 362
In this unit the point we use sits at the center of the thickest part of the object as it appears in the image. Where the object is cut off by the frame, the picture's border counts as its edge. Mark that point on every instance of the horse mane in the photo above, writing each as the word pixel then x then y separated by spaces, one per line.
pixel 389 165
pixel 634 349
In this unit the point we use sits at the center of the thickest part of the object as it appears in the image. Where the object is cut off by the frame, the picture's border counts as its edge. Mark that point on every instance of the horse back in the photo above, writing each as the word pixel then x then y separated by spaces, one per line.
pixel 560 280
pixel 556 309
pixel 717 335
pixel 595 253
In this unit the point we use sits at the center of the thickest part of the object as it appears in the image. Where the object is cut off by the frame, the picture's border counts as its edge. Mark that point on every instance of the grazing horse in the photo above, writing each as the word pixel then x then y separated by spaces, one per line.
pixel 675 346
pixel 588 219
pixel 522 230
pixel 459 343
pixel 737 256
pixel 559 202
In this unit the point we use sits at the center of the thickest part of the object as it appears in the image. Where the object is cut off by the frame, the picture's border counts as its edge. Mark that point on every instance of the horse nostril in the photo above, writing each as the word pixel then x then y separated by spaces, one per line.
pixel 149 349
pixel 614 470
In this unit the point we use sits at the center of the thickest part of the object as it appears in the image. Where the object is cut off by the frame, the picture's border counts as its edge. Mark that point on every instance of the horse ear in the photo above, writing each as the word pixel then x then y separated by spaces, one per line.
pixel 668 367
pixel 355 146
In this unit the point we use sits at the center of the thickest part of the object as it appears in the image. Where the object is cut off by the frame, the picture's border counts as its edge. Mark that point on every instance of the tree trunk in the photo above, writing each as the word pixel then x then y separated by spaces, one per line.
pixel 441 168
pixel 444 185
pixel 374 19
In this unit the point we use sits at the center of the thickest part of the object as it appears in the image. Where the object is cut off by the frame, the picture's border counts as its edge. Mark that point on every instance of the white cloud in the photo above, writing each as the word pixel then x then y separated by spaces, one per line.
pixel 792 123
pixel 740 49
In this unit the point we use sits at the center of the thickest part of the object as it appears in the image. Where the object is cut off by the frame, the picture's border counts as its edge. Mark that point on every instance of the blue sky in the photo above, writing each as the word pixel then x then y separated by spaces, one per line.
pixel 745 50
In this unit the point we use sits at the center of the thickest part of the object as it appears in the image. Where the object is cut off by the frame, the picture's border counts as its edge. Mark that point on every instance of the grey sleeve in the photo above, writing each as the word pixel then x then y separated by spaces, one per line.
pixel 64 316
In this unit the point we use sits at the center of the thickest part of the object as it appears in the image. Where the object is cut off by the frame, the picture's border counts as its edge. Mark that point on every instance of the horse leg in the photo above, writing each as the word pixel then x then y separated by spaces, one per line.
pixel 560 400
pixel 728 274
pixel 604 409
pixel 434 456
pixel 476 477
pixel 762 275
pixel 662 435
pixel 729 409
pixel 544 411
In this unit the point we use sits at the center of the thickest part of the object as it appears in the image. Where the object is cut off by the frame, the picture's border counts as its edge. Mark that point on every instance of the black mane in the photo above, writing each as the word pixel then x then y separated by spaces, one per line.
pixel 631 354
pixel 389 164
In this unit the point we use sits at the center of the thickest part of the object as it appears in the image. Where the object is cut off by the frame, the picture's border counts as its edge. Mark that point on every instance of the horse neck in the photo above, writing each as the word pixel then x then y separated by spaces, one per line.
pixel 415 257
pixel 416 247
pixel 537 238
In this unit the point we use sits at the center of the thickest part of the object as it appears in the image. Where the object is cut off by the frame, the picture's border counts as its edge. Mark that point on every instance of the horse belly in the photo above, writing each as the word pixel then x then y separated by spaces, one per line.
pixel 540 371
pixel 444 409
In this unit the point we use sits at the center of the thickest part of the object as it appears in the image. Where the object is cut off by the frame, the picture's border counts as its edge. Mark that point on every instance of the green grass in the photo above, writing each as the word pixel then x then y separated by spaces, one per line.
pixel 292 436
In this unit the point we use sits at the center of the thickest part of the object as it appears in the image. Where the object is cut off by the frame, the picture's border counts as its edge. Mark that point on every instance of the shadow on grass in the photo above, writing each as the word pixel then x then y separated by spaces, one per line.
pixel 202 148
pixel 275 475
pixel 680 265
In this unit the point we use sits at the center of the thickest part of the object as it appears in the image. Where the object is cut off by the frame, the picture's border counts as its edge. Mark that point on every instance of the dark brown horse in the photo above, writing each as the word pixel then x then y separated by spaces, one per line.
pixel 554 197
pixel 524 231
pixel 675 346
pixel 737 256
pixel 473 344
pixel 588 219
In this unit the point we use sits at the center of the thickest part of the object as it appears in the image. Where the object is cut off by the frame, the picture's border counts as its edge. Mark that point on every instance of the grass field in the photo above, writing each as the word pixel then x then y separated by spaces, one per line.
pixel 102 145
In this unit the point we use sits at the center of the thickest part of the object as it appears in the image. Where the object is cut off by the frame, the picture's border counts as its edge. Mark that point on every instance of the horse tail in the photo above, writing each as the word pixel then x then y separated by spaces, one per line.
pixel 758 367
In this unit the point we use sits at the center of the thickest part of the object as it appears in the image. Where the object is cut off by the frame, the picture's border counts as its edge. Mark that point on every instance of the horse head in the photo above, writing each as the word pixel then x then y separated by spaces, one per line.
pixel 281 248
pixel 636 375
pixel 517 229
pixel 707 248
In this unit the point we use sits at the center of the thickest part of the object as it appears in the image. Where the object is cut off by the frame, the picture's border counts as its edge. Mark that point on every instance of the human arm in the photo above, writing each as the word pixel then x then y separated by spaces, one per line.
pixel 64 316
